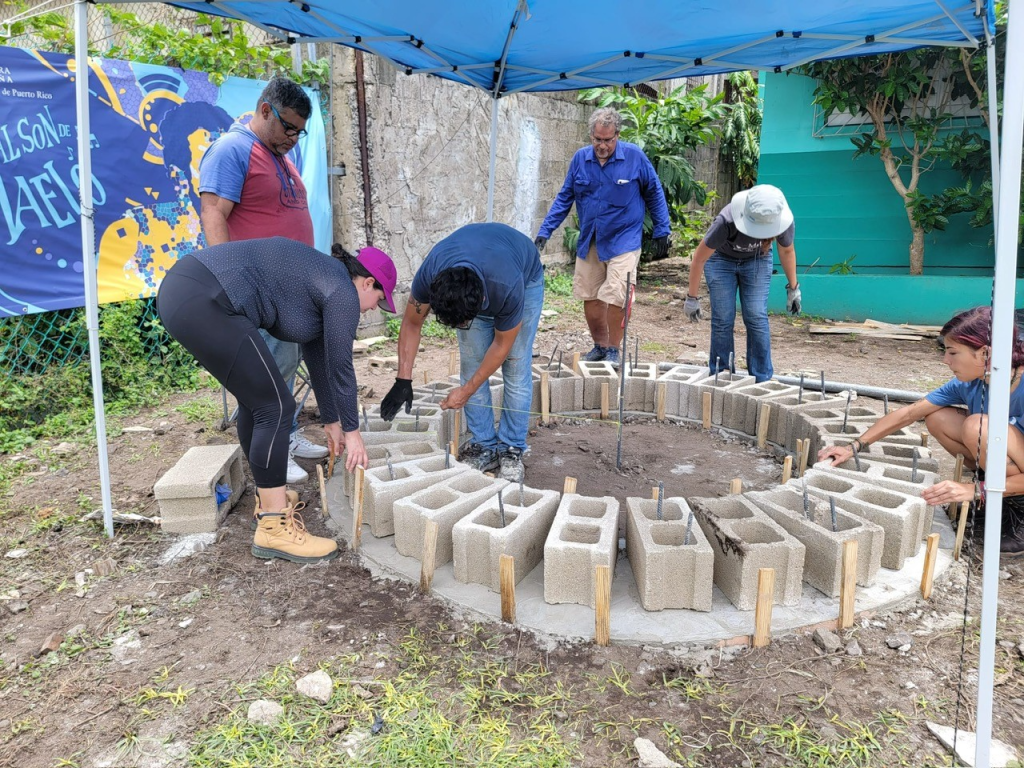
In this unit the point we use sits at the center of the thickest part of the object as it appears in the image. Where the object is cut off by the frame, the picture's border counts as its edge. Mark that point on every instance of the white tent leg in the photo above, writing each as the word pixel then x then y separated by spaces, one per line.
pixel 993 116
pixel 92 315
pixel 999 385
pixel 494 150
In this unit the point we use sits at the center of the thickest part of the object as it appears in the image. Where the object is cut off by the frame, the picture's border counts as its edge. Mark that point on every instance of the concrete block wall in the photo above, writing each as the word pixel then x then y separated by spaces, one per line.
pixel 479 539
pixel 882 475
pixel 679 383
pixel 378 455
pixel 784 410
pixel 187 491
pixel 884 452
pixel 670 572
pixel 565 387
pixel 718 386
pixel 824 557
pixel 901 516
pixel 445 503
pixel 594 375
pixel 380 491
pixel 745 540
pixel 743 405
pixel 585 534
pixel 640 388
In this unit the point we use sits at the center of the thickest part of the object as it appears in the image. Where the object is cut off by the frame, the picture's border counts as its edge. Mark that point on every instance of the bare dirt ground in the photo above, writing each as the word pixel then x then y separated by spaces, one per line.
pixel 112 657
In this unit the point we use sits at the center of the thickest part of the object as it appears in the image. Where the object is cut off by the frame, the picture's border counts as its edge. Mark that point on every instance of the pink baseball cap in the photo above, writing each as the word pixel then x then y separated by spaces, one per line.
pixel 379 265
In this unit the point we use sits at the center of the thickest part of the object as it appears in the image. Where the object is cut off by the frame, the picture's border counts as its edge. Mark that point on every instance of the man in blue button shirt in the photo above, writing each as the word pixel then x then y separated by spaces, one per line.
pixel 486 281
pixel 611 182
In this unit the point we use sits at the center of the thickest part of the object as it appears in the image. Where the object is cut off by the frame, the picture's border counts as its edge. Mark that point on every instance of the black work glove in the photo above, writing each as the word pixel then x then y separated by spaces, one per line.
pixel 660 247
pixel 540 242
pixel 401 393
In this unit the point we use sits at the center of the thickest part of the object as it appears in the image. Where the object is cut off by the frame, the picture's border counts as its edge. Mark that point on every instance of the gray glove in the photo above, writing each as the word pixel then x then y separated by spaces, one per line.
pixel 692 309
pixel 793 299
pixel 540 242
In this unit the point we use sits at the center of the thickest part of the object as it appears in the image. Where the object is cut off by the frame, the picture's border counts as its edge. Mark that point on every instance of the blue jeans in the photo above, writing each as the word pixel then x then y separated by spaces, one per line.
pixel 287 355
pixel 516 371
pixel 751 278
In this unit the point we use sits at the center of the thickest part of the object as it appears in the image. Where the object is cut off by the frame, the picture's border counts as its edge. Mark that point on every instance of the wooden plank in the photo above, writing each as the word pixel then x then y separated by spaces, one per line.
pixel 456 430
pixel 604 400
pixel 603 603
pixel 453 367
pixel 762 425
pixel 961 528
pixel 662 392
pixel 428 556
pixel 798 454
pixel 848 585
pixel 928 577
pixel 706 423
pixel 736 486
pixel 763 608
pixel 576 363
pixel 804 456
pixel 787 469
pixel 357 509
pixel 570 485
pixel 507 580
pixel 323 490
pixel 545 399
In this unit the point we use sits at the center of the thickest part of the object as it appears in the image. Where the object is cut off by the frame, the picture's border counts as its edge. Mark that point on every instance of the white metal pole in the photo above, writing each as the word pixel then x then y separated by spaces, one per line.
pixel 494 150
pixel 92 314
pixel 999 385
pixel 993 116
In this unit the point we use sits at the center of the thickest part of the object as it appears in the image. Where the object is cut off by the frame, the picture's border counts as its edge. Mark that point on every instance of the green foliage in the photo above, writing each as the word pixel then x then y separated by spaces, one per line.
pixel 741 128
pixel 665 129
pixel 431 329
pixel 844 267
pixel 558 283
pixel 571 235
pixel 139 362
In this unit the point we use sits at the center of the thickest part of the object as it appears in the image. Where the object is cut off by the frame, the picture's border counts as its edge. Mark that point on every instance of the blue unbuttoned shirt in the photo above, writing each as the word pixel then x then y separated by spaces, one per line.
pixel 972 394
pixel 610 201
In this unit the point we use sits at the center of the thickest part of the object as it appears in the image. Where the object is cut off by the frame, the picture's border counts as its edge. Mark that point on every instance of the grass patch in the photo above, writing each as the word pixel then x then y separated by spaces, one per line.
pixel 200 410
pixel 432 329
pixel 557 283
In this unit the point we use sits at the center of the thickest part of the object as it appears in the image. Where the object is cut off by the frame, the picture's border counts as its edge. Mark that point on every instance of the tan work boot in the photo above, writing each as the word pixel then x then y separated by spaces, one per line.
pixel 283 534
pixel 293 502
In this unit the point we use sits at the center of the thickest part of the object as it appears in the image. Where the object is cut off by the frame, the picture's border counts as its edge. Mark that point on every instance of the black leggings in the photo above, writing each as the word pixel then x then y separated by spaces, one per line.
pixel 195 310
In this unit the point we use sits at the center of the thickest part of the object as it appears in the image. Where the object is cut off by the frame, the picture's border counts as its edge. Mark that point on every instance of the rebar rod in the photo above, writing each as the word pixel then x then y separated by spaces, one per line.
pixel 366 419
pixel 822 385
pixel 448 456
pixel 522 497
pixel 661 494
pixel 856 458
pixel 387 457
pixel 800 394
pixel 832 509
pixel 622 378
pixel 807 501
pixel 913 468
pixel 718 363
pixel 689 528
pixel 846 413
pixel 885 404
pixel 732 362
pixel 501 509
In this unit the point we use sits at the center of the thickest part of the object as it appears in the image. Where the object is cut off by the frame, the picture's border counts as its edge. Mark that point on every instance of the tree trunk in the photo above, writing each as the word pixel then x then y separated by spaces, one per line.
pixel 916 247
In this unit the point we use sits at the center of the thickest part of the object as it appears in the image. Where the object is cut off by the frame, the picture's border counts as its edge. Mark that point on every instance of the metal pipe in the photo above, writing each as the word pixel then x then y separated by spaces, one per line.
pixel 622 372
pixel 364 150
pixel 900 395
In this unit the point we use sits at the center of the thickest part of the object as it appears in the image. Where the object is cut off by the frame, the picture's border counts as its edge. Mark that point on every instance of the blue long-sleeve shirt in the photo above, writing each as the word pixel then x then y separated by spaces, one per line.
pixel 610 201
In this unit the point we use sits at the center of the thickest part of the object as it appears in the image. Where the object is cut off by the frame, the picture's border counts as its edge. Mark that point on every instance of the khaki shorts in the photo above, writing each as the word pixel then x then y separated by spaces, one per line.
pixel 604 280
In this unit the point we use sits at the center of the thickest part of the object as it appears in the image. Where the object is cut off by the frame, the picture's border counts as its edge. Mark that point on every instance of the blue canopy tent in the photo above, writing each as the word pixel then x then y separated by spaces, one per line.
pixel 512 46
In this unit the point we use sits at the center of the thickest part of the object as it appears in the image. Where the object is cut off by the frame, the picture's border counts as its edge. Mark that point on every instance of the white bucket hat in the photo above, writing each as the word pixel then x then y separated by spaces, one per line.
pixel 761 212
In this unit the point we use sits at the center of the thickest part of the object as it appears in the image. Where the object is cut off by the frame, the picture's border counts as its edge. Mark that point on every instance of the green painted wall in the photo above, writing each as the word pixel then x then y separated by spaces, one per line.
pixel 846 207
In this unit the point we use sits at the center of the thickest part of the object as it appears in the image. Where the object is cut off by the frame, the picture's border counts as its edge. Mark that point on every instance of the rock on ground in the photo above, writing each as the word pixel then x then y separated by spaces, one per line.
pixel 317 685
pixel 827 640
pixel 265 712
pixel 1000 754
pixel 649 756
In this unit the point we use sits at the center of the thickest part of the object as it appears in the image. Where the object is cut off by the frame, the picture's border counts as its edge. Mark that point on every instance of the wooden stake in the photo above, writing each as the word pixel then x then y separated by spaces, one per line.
pixel 453 367
pixel 330 463
pixel 736 486
pixel 457 430
pixel 357 509
pixel 604 400
pixel 323 490
pixel 787 469
pixel 453 450
pixel 958 468
pixel 570 485
pixel 576 363
pixel 545 398
pixel 707 410
pixel 798 454
pixel 762 425
pixel 428 557
pixel 961 528
pixel 924 439
pixel 928 576
pixel 763 609
pixel 507 578
pixel 654 492
pixel 804 456
pixel 848 585
pixel 603 612
pixel 426 379
pixel 662 392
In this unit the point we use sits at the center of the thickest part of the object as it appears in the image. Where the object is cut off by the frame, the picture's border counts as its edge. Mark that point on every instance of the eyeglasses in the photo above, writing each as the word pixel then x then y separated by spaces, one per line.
pixel 289 130
pixel 596 140
pixel 465 325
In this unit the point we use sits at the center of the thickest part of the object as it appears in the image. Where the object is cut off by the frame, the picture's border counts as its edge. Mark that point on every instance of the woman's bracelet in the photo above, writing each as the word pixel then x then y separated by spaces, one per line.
pixel 979 490
pixel 860 444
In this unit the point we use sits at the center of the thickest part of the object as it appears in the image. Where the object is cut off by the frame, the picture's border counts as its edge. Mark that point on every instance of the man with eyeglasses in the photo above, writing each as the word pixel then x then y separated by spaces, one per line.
pixel 486 281
pixel 612 183
pixel 249 189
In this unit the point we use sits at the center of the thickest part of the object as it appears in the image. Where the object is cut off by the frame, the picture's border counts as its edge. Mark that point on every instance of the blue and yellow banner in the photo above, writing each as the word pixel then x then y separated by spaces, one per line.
pixel 149 128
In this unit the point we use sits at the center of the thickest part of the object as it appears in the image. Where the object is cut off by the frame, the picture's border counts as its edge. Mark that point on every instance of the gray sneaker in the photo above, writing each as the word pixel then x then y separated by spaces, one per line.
pixel 479 458
pixel 511 460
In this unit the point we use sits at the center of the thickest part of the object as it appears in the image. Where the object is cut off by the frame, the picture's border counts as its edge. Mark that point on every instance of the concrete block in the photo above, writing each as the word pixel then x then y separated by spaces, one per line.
pixel 445 503
pixel 901 516
pixel 594 375
pixel 884 452
pixel 743 405
pixel 479 539
pixel 785 408
pixel 745 540
pixel 565 388
pixel 823 561
pixel 187 491
pixel 679 382
pixel 830 419
pixel 717 386
pixel 584 535
pixel 640 389
pixel 380 491
pixel 669 573
pixel 398 452
pixel 883 475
